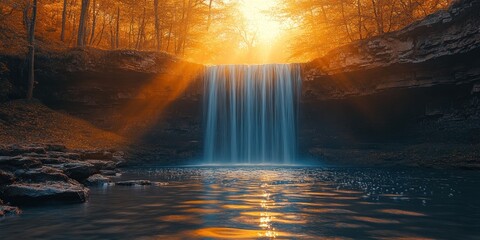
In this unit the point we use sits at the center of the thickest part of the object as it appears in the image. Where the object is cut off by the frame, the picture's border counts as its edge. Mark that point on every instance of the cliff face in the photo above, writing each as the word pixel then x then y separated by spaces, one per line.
pixel 443 49
pixel 409 97
pixel 151 98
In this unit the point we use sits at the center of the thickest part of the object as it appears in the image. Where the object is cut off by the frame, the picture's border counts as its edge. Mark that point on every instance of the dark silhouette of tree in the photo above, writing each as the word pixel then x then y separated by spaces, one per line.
pixel 31 51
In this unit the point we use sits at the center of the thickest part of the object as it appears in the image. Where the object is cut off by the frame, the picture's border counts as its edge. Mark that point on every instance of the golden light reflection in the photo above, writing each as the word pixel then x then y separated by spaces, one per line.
pixel 238 233
pixel 375 220
pixel 261 206
pixel 201 202
pixel 328 210
pixel 175 218
pixel 401 212
pixel 236 206
pixel 201 210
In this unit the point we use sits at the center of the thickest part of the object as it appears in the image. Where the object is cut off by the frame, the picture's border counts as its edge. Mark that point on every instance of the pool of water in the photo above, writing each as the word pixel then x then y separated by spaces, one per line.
pixel 266 202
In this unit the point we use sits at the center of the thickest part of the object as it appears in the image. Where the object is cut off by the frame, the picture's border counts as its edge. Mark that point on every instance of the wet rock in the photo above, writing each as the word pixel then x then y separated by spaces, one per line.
pixel 69 155
pixel 15 150
pixel 6 178
pixel 8 162
pixel 118 156
pixel 110 173
pixel 42 174
pixel 34 155
pixel 100 155
pixel 97 180
pixel 160 183
pixel 49 160
pixel 8 210
pixel 78 170
pixel 102 165
pixel 50 191
pixel 134 183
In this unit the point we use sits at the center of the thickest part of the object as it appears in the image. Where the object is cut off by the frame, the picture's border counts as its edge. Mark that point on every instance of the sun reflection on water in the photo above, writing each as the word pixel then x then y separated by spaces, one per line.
pixel 270 203
pixel 281 204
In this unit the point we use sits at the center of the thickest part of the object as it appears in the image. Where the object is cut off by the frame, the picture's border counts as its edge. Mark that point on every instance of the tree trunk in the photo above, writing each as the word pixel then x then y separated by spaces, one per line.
pixel 169 36
pixel 31 51
pixel 74 33
pixel 82 26
pixel 131 37
pixel 112 37
pixel 141 29
pixel 25 18
pixel 209 14
pixel 64 20
pixel 345 22
pixel 359 11
pixel 94 22
pixel 157 26
pixel 101 32
pixel 377 11
pixel 117 32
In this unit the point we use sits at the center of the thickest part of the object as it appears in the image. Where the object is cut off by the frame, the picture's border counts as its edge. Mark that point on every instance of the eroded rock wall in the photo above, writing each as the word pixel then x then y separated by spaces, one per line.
pixel 408 97
pixel 151 98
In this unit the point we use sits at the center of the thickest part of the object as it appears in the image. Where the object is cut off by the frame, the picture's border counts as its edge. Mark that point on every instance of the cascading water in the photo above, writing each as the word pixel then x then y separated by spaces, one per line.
pixel 250 113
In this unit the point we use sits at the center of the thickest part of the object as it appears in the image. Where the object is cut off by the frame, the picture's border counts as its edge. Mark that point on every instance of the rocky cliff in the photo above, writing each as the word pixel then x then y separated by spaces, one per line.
pixel 443 48
pixel 409 97
pixel 146 96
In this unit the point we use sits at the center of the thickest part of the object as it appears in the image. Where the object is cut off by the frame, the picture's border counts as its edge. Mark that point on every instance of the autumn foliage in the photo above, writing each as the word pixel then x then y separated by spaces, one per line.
pixel 207 31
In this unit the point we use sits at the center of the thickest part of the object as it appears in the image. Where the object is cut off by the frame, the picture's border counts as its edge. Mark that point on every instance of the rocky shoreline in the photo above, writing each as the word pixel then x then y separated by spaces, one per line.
pixel 48 173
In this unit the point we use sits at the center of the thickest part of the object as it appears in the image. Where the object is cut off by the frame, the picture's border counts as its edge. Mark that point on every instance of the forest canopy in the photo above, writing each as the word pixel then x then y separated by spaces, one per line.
pixel 209 31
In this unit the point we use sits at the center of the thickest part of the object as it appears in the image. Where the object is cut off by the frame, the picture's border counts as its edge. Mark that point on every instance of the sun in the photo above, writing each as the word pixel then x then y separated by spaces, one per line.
pixel 256 15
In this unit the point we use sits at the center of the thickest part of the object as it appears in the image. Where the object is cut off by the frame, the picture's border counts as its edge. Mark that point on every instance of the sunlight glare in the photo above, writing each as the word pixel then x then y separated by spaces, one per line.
pixel 258 19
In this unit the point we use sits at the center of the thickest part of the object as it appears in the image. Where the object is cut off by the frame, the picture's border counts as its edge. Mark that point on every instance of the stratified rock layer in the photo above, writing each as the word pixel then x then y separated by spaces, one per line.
pixel 409 97
pixel 441 49
pixel 47 174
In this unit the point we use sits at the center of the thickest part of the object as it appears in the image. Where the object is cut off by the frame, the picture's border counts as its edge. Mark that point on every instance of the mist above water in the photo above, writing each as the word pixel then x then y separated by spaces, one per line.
pixel 250 113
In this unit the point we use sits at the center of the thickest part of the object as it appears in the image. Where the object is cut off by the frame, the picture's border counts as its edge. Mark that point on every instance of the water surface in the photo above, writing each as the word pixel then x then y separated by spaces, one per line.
pixel 266 202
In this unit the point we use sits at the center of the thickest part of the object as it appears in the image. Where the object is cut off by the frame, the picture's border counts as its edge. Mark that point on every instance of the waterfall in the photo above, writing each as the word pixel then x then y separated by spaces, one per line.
pixel 250 113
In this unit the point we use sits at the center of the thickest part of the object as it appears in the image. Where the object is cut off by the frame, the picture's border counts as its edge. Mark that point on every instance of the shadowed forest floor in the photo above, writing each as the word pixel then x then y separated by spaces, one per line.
pixel 24 122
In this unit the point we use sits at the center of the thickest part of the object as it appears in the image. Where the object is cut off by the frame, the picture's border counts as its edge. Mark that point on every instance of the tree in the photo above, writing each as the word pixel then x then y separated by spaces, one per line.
pixel 94 21
pixel 321 25
pixel 82 25
pixel 158 39
pixel 31 51
pixel 64 20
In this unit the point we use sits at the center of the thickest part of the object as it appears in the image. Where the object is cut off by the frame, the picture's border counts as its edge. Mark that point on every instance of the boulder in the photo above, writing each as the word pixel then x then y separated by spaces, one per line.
pixel 101 155
pixel 15 150
pixel 8 162
pixel 6 178
pixel 41 175
pixel 102 165
pixel 69 155
pixel 77 170
pixel 97 180
pixel 53 160
pixel 118 156
pixel 109 173
pixel 134 183
pixel 8 210
pixel 50 191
